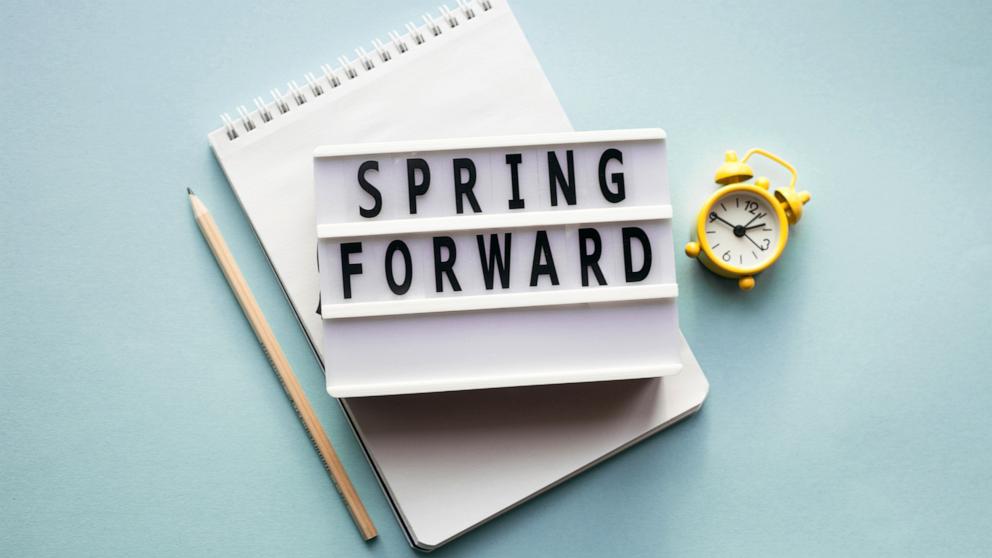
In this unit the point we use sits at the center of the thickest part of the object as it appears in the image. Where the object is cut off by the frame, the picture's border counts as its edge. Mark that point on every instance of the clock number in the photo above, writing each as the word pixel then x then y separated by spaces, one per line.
pixel 766 244
pixel 751 207
pixel 712 216
pixel 726 256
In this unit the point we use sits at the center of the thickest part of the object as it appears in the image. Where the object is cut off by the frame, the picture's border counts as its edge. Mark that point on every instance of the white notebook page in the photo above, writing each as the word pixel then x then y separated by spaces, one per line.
pixel 479 78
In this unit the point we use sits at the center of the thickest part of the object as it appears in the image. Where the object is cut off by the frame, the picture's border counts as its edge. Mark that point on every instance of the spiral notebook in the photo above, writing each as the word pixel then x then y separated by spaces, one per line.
pixel 467 71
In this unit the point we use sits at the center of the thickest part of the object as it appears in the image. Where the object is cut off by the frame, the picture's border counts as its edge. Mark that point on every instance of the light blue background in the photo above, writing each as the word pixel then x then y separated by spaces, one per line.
pixel 849 411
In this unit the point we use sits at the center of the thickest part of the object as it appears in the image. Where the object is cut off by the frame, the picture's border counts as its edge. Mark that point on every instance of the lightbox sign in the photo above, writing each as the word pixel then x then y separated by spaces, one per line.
pixel 494 262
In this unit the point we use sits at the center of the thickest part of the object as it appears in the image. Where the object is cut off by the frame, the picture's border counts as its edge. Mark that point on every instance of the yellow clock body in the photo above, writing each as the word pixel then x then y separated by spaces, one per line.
pixel 742 229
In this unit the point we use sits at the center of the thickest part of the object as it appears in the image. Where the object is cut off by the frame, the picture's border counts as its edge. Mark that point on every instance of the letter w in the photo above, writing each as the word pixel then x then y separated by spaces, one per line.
pixel 494 259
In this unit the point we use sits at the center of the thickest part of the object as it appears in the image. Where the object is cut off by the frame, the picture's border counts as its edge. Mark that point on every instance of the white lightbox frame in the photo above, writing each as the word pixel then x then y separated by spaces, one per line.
pixel 527 336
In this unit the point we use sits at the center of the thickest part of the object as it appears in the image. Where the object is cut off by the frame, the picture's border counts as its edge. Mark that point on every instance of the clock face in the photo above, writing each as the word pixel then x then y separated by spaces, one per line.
pixel 742 230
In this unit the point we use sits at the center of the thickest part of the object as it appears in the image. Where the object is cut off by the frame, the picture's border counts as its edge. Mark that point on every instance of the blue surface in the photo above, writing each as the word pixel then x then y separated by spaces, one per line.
pixel 849 411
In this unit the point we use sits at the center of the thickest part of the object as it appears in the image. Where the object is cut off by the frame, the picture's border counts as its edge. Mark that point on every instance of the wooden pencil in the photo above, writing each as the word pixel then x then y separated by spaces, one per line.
pixel 281 366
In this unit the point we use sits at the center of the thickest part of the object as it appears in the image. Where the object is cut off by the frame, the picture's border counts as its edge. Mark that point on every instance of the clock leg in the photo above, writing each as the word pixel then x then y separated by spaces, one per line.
pixel 692 249
pixel 746 283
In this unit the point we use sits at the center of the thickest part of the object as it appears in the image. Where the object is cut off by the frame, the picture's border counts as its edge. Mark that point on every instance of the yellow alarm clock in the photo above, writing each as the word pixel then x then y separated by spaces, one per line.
pixel 743 228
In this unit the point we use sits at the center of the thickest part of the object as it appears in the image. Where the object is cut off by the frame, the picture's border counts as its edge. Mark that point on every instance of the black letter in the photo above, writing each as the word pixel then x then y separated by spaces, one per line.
pixel 347 268
pixel 590 260
pixel 617 177
pixel 412 166
pixel 465 188
pixel 496 260
pixel 555 176
pixel 628 264
pixel 537 269
pixel 372 190
pixel 446 266
pixel 514 159
pixel 394 246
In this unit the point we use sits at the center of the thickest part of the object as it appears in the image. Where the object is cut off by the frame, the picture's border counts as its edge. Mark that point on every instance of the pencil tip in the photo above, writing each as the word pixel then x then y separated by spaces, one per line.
pixel 189 191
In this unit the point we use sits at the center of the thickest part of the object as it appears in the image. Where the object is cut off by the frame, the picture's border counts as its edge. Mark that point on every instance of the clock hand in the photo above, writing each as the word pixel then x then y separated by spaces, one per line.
pixel 713 215
pixel 751 221
pixel 747 236
pixel 754 226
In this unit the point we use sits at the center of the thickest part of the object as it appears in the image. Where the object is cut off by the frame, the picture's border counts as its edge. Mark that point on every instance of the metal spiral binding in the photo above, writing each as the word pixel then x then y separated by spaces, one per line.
pixel 382 53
